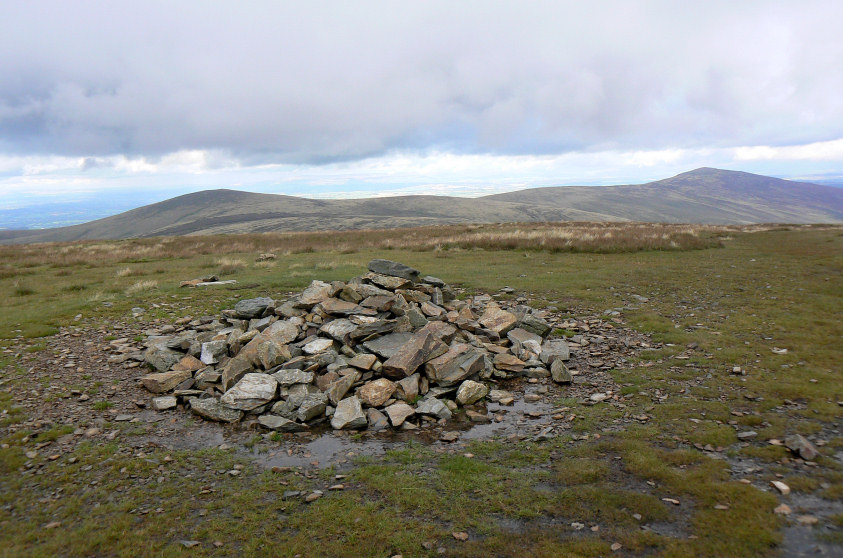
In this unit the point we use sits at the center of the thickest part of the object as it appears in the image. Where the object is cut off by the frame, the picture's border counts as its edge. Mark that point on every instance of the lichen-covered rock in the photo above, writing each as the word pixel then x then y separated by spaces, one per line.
pixel 252 391
pixel 253 307
pixel 349 415
pixel 161 358
pixel 471 392
pixel 211 409
pixel 161 382
pixel 376 392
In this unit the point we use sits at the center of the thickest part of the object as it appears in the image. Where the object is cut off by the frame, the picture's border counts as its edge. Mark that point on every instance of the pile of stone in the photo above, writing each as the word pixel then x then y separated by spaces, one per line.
pixel 384 349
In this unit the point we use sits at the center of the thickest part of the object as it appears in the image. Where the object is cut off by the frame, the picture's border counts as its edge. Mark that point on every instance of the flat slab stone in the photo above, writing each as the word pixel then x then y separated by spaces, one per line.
pixel 283 332
pixel 252 391
pixel 189 363
pixel 554 349
pixel 387 345
pixel 388 267
pixel 471 392
pixel 390 282
pixel 160 382
pixel 161 358
pixel 459 363
pixel 433 407
pixel 339 330
pixel 211 409
pixel 318 346
pixel 339 307
pixel 315 293
pixel 292 376
pixel 213 351
pixel 281 424
pixel 363 361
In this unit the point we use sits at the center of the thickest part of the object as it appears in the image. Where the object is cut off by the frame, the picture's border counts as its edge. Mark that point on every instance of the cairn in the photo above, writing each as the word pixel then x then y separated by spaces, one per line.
pixel 386 349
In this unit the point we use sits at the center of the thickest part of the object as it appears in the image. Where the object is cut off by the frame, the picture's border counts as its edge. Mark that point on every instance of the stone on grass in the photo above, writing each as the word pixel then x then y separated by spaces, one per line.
pixel 800 445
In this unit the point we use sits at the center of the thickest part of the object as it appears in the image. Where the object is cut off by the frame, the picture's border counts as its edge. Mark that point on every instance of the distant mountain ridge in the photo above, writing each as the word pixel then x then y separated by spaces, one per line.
pixel 703 195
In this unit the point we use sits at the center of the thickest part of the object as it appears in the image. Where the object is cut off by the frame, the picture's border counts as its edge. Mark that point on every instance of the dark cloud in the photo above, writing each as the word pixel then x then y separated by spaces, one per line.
pixel 326 81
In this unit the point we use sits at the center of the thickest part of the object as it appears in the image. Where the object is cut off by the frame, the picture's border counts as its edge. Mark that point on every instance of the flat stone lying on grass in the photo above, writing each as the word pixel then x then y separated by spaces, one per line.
pixel 383 349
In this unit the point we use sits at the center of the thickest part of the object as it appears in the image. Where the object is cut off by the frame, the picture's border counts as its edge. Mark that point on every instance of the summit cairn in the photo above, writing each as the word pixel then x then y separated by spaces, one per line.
pixel 386 349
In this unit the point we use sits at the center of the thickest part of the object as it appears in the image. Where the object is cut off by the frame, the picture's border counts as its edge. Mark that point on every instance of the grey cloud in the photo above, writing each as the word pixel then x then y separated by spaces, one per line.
pixel 325 81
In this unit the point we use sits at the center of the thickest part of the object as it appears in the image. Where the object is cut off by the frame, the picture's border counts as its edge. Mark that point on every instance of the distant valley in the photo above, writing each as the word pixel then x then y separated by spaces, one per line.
pixel 704 195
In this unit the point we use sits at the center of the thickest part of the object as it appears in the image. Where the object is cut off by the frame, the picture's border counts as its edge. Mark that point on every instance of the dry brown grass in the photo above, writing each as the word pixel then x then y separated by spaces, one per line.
pixel 141 286
pixel 555 237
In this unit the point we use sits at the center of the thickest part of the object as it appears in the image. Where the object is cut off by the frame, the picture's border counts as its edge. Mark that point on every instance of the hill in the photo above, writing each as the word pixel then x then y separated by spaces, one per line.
pixel 704 195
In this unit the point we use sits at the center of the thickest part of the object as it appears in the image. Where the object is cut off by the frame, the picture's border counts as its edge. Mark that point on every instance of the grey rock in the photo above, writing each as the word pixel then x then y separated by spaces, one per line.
pixel 337 390
pixel 315 293
pixel 554 349
pixel 800 445
pixel 339 330
pixel 560 373
pixel 433 407
pixel 289 377
pixel 399 412
pixel 318 345
pixel 534 324
pixel 253 307
pixel 160 382
pixel 349 415
pixel 387 345
pixel 431 280
pixel 211 409
pixel 471 392
pixel 161 358
pixel 420 348
pixel 252 391
pixel 281 424
pixel 387 267
pixel 377 420
pixel 523 341
pixel 164 402
pixel 213 351
pixel 312 406
pixel 747 435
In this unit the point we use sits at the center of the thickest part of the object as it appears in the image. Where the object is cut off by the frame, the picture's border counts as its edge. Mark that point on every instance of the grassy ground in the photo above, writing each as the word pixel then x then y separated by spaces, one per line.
pixel 733 302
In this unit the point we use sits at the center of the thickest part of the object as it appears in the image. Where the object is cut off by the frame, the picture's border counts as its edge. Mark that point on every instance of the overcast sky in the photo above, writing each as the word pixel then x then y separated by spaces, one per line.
pixel 366 98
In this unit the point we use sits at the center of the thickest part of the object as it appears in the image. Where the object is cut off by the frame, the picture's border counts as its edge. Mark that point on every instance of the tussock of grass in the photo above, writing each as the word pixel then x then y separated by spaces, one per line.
pixel 141 286
pixel 228 266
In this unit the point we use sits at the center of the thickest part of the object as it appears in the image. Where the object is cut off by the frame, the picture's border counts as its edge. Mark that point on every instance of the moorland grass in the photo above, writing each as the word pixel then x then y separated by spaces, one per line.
pixel 742 293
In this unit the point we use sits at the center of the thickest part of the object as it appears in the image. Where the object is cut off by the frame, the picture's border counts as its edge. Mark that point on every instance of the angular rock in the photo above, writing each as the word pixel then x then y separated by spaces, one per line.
pixel 271 353
pixel 292 376
pixel 443 331
pixel 281 424
pixel 399 412
pixel 535 325
pixel 206 378
pixel 339 307
pixel 433 407
pixel 211 409
pixel 431 310
pixel 522 340
pixel 390 282
pixel 459 363
pixel 349 415
pixel 377 420
pixel 252 391
pixel 387 345
pixel 408 388
pixel 498 320
pixel 349 295
pixel 560 373
pixel 376 392
pixel 213 351
pixel 382 303
pixel 253 307
pixel 509 363
pixel 337 390
pixel 415 352
pixel 363 361
pixel 431 280
pixel 554 349
pixel 395 269
pixel 471 392
pixel 164 402
pixel 318 346
pixel 189 363
pixel 800 445
pixel 312 406
pixel 161 382
pixel 282 332
pixel 340 330
pixel 235 369
pixel 161 358
pixel 315 293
